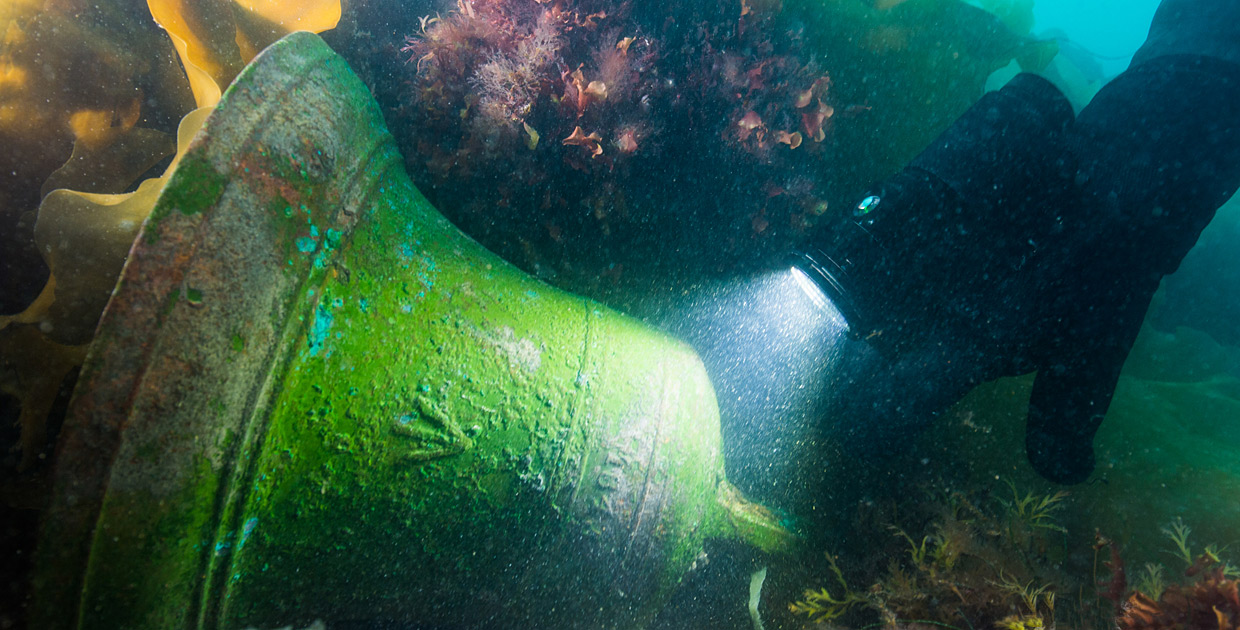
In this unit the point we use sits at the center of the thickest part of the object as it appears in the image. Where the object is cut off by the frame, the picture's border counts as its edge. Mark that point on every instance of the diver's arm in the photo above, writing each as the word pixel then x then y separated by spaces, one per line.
pixel 1206 28
pixel 1156 152
pixel 1026 239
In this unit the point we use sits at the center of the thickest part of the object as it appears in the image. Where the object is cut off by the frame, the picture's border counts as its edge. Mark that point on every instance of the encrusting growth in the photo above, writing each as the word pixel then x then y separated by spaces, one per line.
pixel 551 118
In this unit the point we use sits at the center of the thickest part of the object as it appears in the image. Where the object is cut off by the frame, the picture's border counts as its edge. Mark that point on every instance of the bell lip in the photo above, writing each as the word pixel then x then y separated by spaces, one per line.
pixel 138 358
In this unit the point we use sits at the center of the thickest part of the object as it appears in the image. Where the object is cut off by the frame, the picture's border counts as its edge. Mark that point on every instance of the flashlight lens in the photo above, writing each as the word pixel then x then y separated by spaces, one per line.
pixel 810 288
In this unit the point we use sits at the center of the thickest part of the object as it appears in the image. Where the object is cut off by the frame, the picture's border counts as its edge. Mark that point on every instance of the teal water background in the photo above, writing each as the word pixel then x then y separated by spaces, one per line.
pixel 1112 29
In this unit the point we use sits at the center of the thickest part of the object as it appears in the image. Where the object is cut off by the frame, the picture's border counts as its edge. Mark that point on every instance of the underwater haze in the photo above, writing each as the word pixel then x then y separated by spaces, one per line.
pixel 1109 29
pixel 619 314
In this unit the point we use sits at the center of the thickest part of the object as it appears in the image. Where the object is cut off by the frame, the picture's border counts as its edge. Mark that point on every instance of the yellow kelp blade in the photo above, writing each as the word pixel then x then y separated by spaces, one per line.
pixel 216 38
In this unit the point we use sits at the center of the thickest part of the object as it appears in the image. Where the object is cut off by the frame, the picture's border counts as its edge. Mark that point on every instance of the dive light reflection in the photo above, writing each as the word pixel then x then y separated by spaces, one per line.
pixel 769 344
pixel 812 291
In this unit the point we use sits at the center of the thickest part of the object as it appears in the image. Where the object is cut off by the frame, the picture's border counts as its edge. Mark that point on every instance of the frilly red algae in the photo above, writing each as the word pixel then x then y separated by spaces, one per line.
pixel 1211 603
pixel 1204 598
pixel 669 89
pixel 635 94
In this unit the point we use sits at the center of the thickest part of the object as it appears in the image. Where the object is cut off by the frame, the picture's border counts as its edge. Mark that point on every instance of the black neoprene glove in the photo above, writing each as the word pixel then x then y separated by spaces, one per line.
pixel 1152 166
pixel 1024 240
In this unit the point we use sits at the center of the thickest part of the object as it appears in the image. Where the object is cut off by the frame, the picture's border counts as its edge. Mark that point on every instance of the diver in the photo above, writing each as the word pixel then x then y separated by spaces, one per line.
pixel 1030 238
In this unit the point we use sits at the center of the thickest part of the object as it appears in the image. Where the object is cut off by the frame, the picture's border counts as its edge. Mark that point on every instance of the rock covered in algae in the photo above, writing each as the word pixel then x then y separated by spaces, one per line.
pixel 757 117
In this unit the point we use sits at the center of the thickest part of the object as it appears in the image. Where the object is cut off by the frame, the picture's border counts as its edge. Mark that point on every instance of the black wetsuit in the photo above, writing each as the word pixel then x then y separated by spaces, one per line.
pixel 1155 153
pixel 1026 239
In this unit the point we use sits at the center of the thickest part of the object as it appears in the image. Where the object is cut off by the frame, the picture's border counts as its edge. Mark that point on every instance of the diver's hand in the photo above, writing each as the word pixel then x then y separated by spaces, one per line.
pixel 1023 240
pixel 1065 410
pixel 1150 169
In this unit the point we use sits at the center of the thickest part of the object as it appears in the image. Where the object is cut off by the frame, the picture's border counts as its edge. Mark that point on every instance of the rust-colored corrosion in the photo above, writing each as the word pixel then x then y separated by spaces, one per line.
pixel 311 397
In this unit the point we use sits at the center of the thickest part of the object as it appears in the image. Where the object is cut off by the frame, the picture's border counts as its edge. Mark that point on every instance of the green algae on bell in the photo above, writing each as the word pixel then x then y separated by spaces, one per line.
pixel 406 423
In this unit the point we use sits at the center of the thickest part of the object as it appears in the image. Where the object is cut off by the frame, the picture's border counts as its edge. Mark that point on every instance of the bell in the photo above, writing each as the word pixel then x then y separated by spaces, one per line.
pixel 312 398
